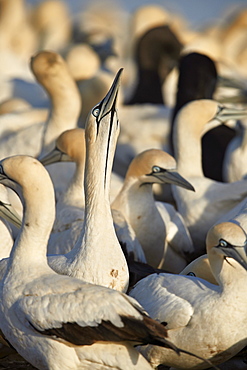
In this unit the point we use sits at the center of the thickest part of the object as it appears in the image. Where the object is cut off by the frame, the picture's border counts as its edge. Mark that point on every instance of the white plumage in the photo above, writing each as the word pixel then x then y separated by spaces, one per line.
pixel 55 321
pixel 51 71
pixel 211 199
pixel 159 228
pixel 97 256
pixel 208 318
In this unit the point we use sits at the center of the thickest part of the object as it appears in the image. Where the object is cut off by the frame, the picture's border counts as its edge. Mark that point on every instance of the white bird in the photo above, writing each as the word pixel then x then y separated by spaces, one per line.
pixel 158 226
pixel 209 318
pixel 211 199
pixel 51 71
pixel 200 266
pixel 70 146
pixel 97 256
pixel 56 321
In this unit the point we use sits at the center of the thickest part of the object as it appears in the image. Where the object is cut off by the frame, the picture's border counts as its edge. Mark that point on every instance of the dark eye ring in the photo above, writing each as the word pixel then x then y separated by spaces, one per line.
pixel 96 112
pixel 191 274
pixel 223 243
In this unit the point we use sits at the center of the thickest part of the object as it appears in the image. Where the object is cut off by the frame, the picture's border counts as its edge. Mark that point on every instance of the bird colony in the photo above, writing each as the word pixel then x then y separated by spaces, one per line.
pixel 123 188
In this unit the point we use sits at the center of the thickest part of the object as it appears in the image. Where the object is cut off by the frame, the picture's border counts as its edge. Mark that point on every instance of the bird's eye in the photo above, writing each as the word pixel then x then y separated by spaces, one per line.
pixel 156 169
pixel 191 274
pixel 95 112
pixel 223 243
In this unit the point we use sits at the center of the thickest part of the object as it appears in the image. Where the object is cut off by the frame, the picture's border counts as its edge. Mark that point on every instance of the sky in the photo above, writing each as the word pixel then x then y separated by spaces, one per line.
pixel 199 13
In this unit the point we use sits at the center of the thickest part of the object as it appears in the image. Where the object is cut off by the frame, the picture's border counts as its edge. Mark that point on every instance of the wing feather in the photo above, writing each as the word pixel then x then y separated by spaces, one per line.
pixel 169 308
pixel 89 314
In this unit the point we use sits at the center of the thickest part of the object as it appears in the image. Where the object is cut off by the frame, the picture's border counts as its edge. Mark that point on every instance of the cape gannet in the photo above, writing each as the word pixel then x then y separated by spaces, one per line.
pixel 208 318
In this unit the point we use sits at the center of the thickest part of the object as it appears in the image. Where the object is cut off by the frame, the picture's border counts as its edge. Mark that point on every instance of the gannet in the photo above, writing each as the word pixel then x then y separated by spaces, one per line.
pixel 51 71
pixel 83 62
pixel 158 226
pixel 91 248
pixel 57 321
pixel 211 199
pixel 200 267
pixel 97 256
pixel 208 318
pixel 198 79
pixel 70 146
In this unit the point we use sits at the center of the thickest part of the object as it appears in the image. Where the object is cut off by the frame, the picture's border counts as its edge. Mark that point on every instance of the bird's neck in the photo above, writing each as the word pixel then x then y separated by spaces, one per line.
pixel 64 114
pixel 230 276
pixel 74 194
pixel 134 198
pixel 188 151
pixel 97 255
pixel 28 255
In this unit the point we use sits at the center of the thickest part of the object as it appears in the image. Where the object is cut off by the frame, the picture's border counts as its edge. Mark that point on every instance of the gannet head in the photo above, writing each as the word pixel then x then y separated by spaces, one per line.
pixel 70 147
pixel 100 115
pixel 205 114
pixel 28 178
pixel 102 129
pixel 46 64
pixel 52 72
pixel 228 240
pixel 156 166
pixel 83 62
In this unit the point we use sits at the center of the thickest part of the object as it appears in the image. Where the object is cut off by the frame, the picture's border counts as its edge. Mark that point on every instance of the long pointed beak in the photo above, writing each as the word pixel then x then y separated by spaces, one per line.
pixel 239 94
pixel 9 213
pixel 227 113
pixel 174 178
pixel 54 156
pixel 109 102
pixel 231 82
pixel 238 253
